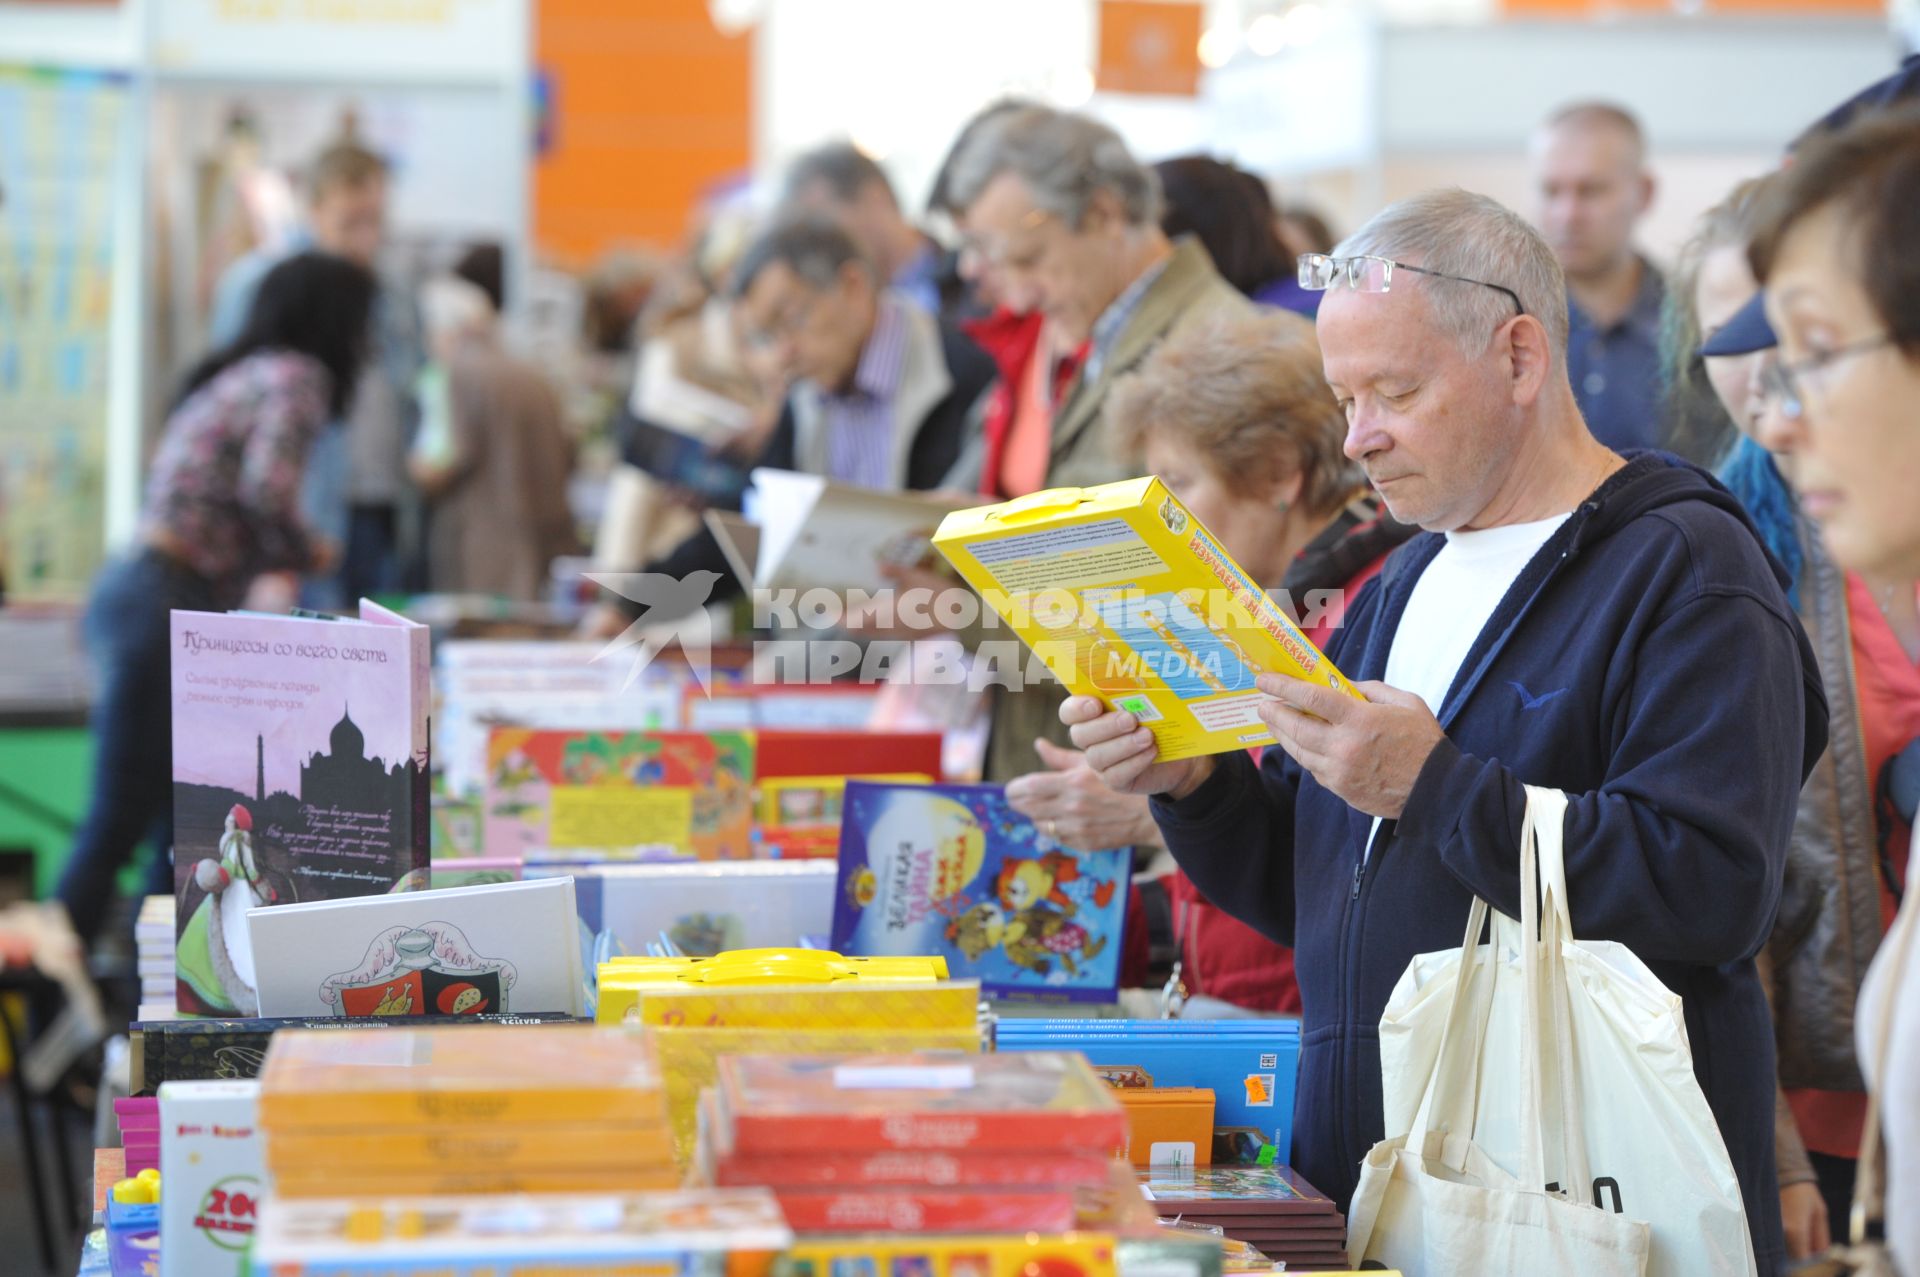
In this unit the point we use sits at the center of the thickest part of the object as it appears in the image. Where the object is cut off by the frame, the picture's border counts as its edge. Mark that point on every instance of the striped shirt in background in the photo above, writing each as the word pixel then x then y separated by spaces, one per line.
pixel 859 420
pixel 1119 313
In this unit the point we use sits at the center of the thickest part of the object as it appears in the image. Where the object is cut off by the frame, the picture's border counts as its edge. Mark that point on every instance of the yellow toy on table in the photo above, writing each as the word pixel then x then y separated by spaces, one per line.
pixel 142 1190
pixel 1126 597
pixel 785 988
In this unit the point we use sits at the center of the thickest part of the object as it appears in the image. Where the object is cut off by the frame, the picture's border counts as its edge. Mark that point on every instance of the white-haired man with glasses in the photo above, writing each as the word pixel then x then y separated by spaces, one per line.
pixel 1571 619
pixel 1065 221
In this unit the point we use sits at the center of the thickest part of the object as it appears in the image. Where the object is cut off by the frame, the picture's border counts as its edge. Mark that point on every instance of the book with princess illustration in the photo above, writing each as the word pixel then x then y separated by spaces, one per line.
pixel 300 774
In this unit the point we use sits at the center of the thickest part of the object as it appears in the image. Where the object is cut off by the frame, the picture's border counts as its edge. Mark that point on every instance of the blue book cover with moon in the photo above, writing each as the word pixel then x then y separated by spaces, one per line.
pixel 954 871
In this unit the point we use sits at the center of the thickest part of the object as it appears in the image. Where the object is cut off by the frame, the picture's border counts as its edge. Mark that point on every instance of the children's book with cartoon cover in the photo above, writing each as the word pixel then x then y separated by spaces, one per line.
pixel 1233 1190
pixel 691 791
pixel 953 870
pixel 300 773
pixel 1125 596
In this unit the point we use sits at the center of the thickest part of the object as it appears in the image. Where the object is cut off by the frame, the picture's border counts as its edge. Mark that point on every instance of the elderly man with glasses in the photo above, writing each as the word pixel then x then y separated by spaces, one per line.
pixel 1063 220
pixel 1606 626
pixel 884 395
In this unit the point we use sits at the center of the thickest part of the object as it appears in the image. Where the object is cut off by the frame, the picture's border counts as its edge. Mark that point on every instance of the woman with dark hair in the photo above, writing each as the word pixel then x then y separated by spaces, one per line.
pixel 1836 246
pixel 1231 213
pixel 222 508
pixel 1835 897
pixel 1303 230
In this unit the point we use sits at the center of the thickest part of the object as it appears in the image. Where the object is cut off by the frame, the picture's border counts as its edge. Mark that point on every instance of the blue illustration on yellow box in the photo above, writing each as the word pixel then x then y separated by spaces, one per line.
pixel 1166 636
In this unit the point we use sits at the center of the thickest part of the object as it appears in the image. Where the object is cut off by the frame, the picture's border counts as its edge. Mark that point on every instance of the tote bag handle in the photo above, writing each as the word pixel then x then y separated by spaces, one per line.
pixel 1452 1095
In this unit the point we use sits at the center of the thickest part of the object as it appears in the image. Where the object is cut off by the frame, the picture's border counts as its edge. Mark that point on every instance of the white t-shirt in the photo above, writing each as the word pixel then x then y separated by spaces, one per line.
pixel 1452 602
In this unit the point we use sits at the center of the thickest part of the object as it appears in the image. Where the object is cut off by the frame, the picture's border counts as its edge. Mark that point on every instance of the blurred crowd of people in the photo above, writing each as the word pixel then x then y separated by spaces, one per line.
pixel 1497 444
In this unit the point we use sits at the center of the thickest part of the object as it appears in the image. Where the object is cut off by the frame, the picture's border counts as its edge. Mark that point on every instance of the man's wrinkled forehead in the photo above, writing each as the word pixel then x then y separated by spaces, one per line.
pixel 1369 337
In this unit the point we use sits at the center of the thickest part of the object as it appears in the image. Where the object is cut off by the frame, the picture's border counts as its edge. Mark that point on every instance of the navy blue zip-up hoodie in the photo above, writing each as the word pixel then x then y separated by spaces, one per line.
pixel 1646 662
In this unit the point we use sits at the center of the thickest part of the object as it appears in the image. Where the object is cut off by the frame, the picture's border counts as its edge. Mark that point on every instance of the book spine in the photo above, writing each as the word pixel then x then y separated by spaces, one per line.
pixel 291 1109
pixel 420 672
pixel 454 1150
pixel 926 1212
pixel 933 1007
pixel 357 1180
pixel 1104 1134
pixel 903 1169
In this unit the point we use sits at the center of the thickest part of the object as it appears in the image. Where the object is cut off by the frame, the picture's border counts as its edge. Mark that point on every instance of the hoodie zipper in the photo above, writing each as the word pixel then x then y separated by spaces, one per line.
pixel 1353 911
pixel 1349 990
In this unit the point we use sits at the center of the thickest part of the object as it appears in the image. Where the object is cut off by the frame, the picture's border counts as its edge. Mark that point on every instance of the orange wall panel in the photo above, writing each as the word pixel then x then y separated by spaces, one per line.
pixel 649 106
pixel 1149 46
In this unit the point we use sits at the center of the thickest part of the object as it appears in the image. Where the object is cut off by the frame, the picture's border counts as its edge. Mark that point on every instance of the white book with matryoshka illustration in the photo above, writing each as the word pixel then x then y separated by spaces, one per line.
pixel 502 948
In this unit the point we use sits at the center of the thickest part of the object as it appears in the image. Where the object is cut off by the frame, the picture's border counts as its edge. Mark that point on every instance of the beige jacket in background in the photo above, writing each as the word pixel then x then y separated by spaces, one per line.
pixel 503 516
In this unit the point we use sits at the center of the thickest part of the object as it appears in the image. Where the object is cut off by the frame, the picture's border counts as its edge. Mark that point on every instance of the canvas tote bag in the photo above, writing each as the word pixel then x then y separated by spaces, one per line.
pixel 1857 1255
pixel 1554 1049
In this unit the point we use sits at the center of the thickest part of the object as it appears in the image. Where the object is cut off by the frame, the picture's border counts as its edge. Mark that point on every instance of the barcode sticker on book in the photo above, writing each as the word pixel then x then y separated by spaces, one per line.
pixel 882 1077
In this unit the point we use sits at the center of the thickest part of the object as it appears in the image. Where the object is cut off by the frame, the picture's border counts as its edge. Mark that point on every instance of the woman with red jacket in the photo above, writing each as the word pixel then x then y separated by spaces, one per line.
pixel 1238 421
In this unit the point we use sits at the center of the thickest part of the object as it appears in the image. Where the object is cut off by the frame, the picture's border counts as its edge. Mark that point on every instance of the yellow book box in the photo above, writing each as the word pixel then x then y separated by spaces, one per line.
pixel 1126 597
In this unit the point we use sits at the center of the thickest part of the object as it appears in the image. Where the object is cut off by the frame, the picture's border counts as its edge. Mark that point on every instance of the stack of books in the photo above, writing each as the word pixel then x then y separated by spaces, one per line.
pixel 790 1002
pixel 923 1144
pixel 1268 1207
pixel 427 1112
pixel 139 1119
pixel 688 1234
pixel 203 1050
pixel 1170 1126
pixel 153 934
pixel 1249 1065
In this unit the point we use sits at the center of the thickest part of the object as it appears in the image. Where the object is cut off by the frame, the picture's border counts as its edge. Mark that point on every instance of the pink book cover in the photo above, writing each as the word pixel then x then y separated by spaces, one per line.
pixel 300 773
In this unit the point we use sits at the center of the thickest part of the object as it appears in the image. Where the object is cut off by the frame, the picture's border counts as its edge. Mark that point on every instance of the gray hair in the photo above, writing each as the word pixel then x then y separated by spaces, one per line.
pixel 1245 394
pixel 1062 158
pixel 842 169
pixel 811 245
pixel 1459 233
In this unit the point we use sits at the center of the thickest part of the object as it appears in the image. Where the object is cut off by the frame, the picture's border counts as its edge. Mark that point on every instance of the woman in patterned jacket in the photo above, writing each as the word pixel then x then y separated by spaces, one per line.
pixel 222 508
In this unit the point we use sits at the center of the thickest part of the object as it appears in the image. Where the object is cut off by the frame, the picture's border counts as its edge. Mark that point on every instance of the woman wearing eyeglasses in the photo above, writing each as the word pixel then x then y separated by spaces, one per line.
pixel 1836 900
pixel 1837 247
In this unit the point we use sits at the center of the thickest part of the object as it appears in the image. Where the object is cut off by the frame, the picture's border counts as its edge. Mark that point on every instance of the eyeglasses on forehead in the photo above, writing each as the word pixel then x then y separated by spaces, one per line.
pixel 1369 274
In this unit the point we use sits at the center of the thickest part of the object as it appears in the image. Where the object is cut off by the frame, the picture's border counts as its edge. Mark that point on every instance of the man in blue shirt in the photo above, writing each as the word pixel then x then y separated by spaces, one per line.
pixel 1592 187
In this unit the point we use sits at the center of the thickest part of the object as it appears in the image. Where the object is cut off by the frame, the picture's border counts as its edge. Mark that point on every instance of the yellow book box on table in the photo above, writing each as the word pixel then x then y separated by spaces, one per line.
pixel 1126 597
pixel 781 1002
